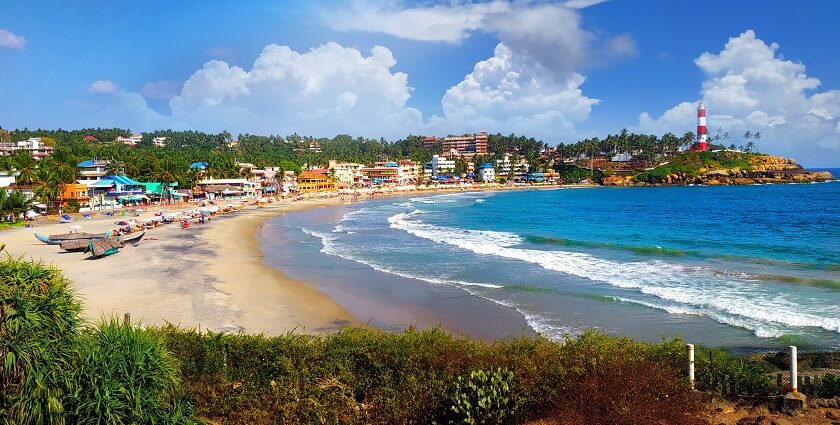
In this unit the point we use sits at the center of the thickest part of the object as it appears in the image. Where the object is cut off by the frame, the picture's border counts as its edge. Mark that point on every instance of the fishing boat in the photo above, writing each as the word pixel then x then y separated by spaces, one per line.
pixel 79 245
pixel 65 237
pixel 133 238
pixel 104 247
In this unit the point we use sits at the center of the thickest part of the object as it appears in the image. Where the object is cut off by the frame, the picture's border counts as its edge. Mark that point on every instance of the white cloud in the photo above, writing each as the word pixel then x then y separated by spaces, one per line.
pixel 326 91
pixel 509 93
pixel 161 89
pixel 103 87
pixel 11 40
pixel 750 87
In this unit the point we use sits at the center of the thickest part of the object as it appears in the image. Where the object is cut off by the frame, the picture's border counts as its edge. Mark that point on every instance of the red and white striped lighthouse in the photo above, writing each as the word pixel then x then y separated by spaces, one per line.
pixel 702 138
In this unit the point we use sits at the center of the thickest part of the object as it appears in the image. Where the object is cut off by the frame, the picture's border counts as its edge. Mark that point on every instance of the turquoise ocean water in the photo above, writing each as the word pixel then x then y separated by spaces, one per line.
pixel 742 266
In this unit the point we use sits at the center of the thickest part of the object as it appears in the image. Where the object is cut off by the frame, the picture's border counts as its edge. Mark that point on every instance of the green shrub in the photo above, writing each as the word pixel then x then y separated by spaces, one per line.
pixel 827 386
pixel 125 375
pixel 39 322
pixel 721 373
pixel 483 397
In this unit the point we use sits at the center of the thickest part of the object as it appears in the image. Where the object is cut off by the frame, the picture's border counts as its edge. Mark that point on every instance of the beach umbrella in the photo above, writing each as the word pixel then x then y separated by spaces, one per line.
pixel 122 223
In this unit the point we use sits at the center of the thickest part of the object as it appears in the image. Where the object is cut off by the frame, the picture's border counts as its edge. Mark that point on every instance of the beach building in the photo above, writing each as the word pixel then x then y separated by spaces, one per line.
pixel 467 145
pixel 487 172
pixel 348 174
pixel 118 188
pixel 288 182
pixel 381 173
pixel 504 166
pixel 439 165
pixel 212 188
pixel 92 170
pixel 310 181
pixel 158 191
pixel 536 177
pixel 34 145
pixel 74 192
pixel 132 140
pixel 408 172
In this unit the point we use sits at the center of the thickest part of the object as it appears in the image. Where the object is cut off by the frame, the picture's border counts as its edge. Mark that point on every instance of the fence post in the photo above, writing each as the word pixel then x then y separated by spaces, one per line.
pixel 793 370
pixel 127 319
pixel 691 365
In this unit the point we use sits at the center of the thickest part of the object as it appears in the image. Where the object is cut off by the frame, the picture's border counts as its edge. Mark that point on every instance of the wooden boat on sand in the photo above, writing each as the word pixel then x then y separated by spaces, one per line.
pixel 132 238
pixel 104 247
pixel 65 237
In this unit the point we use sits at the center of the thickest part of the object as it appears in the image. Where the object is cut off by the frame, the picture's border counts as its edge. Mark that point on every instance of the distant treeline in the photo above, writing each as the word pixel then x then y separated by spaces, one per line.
pixel 147 162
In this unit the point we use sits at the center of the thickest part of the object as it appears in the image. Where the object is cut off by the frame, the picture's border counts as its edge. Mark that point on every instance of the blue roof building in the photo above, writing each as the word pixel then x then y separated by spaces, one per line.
pixel 199 165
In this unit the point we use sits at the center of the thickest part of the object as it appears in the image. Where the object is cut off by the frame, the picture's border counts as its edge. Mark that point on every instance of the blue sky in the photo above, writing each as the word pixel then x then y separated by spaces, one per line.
pixel 555 70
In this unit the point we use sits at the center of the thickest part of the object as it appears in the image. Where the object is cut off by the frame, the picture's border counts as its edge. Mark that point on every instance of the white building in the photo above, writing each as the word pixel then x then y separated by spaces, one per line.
pixel 487 172
pixel 159 142
pixel 92 170
pixel 132 140
pixel 408 172
pixel 36 148
pixel 348 173
pixel 520 169
pixel 439 165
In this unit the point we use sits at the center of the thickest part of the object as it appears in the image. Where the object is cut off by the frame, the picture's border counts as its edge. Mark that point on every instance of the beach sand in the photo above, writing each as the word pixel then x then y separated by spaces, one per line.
pixel 210 276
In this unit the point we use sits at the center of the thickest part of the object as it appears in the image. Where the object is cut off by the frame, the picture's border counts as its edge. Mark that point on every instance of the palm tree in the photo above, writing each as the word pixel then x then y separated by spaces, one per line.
pixel 25 166
pixel 757 137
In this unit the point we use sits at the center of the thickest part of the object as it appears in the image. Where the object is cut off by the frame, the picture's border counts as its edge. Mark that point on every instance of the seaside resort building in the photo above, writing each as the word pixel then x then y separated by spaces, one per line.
pixel 439 165
pixel 74 192
pixel 520 169
pixel 487 172
pixel 347 174
pixel 117 189
pixel 36 148
pixel 468 145
pixel 311 181
pixel 213 188
pixel 92 170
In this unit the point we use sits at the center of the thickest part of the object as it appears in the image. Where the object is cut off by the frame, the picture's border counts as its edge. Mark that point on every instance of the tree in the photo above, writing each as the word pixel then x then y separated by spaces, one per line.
pixel 460 166
pixel 757 137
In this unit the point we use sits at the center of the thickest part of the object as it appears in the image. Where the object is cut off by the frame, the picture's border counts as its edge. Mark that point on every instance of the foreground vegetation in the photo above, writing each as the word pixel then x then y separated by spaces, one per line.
pixel 56 369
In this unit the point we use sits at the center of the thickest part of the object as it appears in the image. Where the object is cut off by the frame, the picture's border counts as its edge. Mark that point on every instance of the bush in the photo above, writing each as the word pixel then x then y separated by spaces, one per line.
pixel 483 397
pixel 827 386
pixel 125 375
pixel 39 322
pixel 721 373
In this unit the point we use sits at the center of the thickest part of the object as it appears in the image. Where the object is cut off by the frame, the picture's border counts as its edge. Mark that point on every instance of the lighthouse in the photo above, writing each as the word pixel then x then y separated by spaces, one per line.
pixel 702 138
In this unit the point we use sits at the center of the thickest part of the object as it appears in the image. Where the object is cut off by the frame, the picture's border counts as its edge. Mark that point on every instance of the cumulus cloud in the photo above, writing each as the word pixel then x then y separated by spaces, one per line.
pixel 103 87
pixel 508 92
pixel 161 89
pixel 750 87
pixel 11 40
pixel 328 90
pixel 531 84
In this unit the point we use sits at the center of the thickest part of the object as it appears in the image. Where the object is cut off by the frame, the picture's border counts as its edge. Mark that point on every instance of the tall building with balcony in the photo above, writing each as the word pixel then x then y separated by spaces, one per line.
pixel 346 173
pixel 35 146
pixel 468 145
pixel 92 170
pixel 439 165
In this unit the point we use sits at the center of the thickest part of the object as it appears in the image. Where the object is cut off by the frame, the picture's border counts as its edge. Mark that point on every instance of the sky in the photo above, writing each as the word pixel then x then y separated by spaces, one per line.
pixel 554 70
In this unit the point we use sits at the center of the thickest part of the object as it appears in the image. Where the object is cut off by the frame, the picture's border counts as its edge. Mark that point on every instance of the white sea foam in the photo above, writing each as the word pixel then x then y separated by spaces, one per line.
pixel 331 246
pixel 728 301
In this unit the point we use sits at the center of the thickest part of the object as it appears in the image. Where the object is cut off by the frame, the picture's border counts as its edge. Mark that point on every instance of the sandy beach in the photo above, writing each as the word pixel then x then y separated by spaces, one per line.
pixel 210 276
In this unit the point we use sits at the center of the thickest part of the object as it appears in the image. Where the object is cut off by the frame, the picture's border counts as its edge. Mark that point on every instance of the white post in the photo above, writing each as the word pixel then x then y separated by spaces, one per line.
pixel 691 364
pixel 793 372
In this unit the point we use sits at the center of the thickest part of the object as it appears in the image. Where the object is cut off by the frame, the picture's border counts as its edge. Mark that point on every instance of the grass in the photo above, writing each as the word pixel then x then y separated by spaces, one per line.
pixel 693 164
pixel 11 225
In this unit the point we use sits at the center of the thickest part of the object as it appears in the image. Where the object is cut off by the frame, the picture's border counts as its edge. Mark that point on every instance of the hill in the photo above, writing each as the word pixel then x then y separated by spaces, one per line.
pixel 720 168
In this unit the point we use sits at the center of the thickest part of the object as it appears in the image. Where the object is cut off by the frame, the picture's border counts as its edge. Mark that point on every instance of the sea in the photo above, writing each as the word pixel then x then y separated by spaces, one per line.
pixel 746 267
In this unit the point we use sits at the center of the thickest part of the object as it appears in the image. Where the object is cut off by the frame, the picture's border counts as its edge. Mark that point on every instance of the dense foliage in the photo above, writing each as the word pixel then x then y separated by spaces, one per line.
pixel 367 376
pixel 39 325
pixel 695 163
pixel 55 371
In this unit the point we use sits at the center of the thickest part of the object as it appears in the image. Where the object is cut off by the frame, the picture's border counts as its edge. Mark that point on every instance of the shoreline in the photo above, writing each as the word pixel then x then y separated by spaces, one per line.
pixel 209 277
